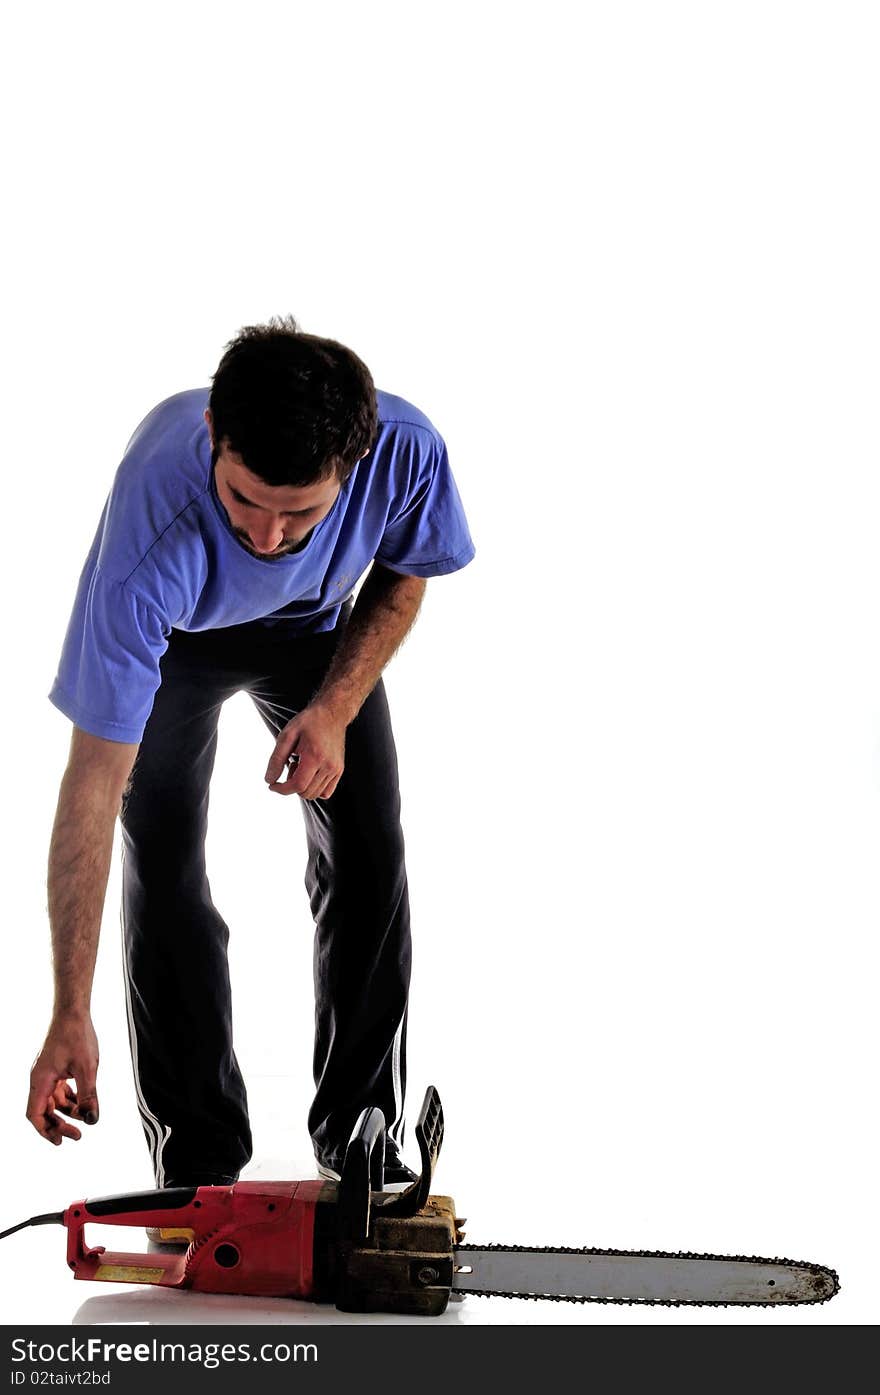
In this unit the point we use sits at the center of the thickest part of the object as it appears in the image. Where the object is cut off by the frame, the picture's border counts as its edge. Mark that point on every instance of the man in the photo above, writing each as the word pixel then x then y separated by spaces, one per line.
pixel 238 524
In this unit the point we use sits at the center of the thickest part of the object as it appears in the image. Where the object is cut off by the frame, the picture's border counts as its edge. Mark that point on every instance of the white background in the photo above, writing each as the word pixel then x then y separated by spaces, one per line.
pixel 625 257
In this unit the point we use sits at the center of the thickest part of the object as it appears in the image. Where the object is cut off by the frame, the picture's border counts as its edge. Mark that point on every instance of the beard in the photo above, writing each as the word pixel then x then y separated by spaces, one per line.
pixel 284 551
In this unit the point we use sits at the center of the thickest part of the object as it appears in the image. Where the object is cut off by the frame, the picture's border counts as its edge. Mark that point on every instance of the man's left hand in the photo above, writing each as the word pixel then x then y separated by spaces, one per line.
pixel 312 748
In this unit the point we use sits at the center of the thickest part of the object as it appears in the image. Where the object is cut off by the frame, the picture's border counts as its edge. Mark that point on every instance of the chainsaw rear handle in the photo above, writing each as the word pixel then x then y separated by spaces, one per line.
pixel 172 1206
pixel 195 1207
pixel 250 1237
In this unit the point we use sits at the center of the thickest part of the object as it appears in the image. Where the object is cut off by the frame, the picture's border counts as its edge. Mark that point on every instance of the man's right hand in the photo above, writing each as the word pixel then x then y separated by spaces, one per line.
pixel 70 1053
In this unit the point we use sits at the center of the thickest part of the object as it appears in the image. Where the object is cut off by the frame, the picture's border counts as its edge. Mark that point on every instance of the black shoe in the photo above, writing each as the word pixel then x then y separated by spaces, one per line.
pixel 397 1174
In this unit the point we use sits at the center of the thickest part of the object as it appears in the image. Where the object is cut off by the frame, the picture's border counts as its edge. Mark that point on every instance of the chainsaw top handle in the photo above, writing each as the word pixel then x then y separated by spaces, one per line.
pixel 363 1170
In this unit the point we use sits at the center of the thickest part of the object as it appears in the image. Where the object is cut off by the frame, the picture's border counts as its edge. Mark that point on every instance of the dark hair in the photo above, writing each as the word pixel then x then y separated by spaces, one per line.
pixel 296 408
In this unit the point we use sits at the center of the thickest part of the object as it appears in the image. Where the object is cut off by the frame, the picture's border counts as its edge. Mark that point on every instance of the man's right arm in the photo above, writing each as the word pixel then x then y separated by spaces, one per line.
pixel 79 864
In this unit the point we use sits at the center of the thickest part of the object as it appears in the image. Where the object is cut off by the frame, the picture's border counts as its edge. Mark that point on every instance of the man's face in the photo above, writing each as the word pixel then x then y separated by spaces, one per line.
pixel 269 521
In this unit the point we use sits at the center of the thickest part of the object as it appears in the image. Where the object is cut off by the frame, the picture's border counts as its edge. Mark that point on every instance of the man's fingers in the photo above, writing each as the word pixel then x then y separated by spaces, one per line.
pixel 299 777
pixel 294 769
pixel 289 786
pixel 309 780
pixel 326 786
pixel 87 1096
pixel 330 788
pixel 65 1099
pixel 323 785
pixel 315 785
pixel 41 1100
pixel 81 1103
pixel 57 1129
pixel 41 1113
pixel 50 1125
pixel 50 1097
pixel 282 753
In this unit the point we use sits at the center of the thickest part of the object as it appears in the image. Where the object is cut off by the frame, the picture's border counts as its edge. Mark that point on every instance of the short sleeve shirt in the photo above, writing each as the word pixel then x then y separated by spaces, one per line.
pixel 165 555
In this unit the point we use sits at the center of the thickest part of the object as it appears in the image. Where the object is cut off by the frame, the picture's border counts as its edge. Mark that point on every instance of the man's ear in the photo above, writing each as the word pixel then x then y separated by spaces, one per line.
pixel 210 422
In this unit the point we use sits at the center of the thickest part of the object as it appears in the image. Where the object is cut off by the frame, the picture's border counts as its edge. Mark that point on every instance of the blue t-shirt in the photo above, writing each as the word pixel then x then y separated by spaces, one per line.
pixel 165 556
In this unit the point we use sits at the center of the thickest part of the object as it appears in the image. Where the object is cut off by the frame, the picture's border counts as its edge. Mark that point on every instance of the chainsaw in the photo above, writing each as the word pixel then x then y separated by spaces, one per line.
pixel 369 1250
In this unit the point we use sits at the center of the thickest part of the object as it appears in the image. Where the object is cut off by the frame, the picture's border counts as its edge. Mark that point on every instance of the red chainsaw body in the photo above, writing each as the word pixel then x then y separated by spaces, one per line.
pixel 348 1242
pixel 252 1237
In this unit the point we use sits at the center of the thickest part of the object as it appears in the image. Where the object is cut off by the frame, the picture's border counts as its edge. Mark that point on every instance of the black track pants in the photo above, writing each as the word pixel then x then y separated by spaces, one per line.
pixel 191 1095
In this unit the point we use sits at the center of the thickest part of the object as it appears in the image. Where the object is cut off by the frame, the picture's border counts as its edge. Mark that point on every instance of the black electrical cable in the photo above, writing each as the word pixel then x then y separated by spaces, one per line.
pixel 51 1218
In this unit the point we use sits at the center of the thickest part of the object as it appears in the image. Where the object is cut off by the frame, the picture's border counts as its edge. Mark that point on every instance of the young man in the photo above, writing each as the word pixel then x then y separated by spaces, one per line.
pixel 225 560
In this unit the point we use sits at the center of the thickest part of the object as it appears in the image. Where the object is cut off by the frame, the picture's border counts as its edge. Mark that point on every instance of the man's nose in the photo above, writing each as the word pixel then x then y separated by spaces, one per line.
pixel 268 537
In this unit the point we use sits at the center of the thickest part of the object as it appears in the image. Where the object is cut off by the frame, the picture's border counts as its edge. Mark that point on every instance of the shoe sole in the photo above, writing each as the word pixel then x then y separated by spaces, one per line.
pixel 170 1235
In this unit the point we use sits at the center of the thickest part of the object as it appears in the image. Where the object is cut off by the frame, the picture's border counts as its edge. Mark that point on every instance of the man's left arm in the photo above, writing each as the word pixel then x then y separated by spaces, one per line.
pixel 383 613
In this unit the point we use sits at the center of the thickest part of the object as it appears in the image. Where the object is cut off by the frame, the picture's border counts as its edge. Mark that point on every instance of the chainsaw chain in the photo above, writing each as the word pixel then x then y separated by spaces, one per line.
pixel 648 1254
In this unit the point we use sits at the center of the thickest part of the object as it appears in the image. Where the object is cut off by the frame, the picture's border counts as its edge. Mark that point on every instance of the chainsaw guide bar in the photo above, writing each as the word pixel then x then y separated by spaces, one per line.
pixel 736 1280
